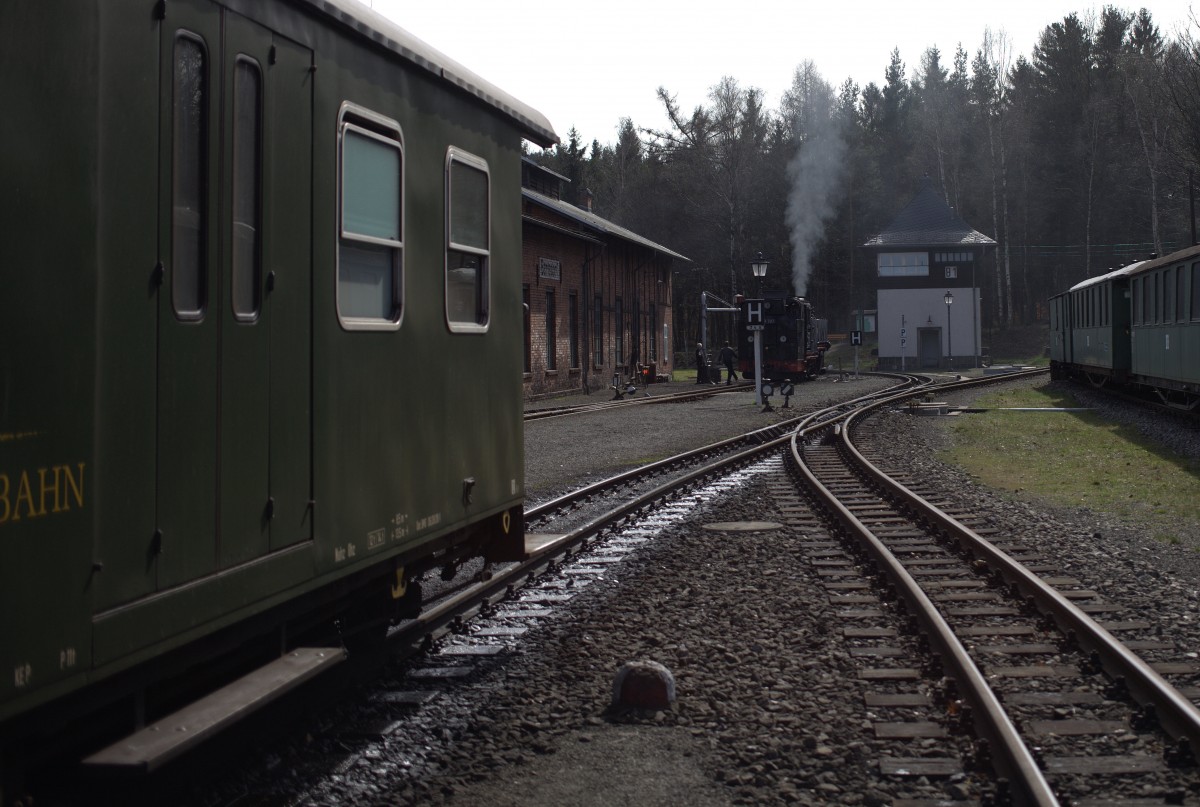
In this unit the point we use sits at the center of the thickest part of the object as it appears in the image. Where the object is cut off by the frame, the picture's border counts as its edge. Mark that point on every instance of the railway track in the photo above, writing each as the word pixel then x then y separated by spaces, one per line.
pixel 584 520
pixel 1028 664
pixel 634 399
pixel 567 525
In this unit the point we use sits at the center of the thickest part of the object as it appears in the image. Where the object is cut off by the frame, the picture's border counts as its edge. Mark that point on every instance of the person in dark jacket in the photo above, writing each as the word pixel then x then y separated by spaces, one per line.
pixel 701 364
pixel 728 357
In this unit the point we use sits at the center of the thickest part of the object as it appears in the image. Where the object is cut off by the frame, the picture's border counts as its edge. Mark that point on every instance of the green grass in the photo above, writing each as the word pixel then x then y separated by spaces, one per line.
pixel 1078 459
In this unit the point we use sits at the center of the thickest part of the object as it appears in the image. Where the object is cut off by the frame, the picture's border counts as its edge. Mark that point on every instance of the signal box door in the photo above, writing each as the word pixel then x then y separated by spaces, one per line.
pixel 234 444
pixel 929 347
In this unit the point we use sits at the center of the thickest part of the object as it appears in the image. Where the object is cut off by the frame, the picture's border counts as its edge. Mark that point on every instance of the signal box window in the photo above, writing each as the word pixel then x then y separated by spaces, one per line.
pixel 468 248
pixel 370 242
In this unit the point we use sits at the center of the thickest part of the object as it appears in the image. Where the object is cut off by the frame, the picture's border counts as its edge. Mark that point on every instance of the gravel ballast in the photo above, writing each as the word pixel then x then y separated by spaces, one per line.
pixel 767 708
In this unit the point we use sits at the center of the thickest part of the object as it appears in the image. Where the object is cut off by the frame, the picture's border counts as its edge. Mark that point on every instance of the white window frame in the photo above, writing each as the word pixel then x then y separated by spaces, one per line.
pixel 903 264
pixel 366 123
pixel 453 155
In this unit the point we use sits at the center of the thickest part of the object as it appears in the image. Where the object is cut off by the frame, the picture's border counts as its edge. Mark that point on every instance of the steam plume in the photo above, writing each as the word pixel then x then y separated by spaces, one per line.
pixel 816 170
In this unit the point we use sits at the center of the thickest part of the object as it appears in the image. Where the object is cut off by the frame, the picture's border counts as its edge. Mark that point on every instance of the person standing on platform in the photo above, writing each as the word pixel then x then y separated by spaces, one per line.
pixel 728 357
pixel 701 364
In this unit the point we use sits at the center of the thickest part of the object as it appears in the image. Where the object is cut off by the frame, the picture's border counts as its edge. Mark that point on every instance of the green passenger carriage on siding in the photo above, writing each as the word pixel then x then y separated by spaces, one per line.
pixel 1137 326
pixel 261 318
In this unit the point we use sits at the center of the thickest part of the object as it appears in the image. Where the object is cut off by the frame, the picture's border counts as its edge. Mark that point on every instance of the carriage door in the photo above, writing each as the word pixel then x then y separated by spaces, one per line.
pixel 234 294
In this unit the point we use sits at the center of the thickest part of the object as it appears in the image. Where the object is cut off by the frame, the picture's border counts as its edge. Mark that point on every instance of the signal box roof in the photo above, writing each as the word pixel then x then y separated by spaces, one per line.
pixel 927 221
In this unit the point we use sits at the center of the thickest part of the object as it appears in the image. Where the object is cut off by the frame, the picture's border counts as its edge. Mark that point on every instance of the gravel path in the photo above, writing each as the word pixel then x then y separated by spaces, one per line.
pixel 569 452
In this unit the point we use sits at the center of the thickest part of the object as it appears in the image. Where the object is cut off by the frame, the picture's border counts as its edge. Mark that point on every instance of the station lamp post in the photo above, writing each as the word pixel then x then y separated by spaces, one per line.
pixel 759 267
pixel 949 298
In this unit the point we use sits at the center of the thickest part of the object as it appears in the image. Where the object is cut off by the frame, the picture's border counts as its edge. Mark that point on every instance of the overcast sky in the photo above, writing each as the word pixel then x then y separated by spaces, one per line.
pixel 587 65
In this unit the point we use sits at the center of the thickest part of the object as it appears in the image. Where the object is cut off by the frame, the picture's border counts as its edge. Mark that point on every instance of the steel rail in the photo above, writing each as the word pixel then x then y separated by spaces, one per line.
pixel 447 612
pixel 1177 715
pixel 764 434
pixel 673 397
pixel 1009 754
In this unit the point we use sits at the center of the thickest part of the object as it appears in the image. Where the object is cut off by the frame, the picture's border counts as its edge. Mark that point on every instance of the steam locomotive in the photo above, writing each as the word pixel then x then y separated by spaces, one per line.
pixel 793 340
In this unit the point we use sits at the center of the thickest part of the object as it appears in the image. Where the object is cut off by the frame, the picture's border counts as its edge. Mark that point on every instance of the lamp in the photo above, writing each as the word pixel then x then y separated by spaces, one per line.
pixel 759 267
pixel 949 298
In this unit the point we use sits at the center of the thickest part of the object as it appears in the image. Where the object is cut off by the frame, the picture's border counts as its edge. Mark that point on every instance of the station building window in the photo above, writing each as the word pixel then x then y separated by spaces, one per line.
pixel 573 330
pixel 551 332
pixel 652 353
pixel 468 245
pixel 598 331
pixel 528 328
pixel 619 328
pixel 370 221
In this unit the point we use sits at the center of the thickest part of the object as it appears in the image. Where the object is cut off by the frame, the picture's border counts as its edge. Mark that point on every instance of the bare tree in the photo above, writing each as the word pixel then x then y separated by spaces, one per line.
pixel 990 91
pixel 714 153
pixel 1139 68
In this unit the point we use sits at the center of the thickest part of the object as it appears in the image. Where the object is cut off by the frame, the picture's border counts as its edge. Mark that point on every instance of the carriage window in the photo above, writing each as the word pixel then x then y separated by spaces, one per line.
pixel 189 217
pixel 1147 298
pixel 247 183
pixel 468 247
pixel 1168 297
pixel 1196 291
pixel 1158 297
pixel 370 243
pixel 1180 299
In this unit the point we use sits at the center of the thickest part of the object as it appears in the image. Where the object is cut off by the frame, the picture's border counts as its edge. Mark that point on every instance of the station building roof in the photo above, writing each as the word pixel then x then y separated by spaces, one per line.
pixel 596 224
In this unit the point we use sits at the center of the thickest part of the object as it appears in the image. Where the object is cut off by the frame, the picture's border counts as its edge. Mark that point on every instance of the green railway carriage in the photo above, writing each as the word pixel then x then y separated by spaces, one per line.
pixel 1137 326
pixel 1089 327
pixel 260 302
pixel 1165 318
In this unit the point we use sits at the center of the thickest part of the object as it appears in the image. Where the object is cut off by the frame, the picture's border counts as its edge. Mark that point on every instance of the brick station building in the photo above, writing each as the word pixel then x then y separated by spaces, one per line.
pixel 597 296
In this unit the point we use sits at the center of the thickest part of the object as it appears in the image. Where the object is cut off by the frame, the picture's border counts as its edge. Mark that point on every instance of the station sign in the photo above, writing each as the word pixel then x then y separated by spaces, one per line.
pixel 752 315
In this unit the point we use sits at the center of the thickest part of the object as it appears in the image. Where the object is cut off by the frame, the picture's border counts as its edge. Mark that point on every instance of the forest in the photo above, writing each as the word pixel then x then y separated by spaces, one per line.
pixel 1074 160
